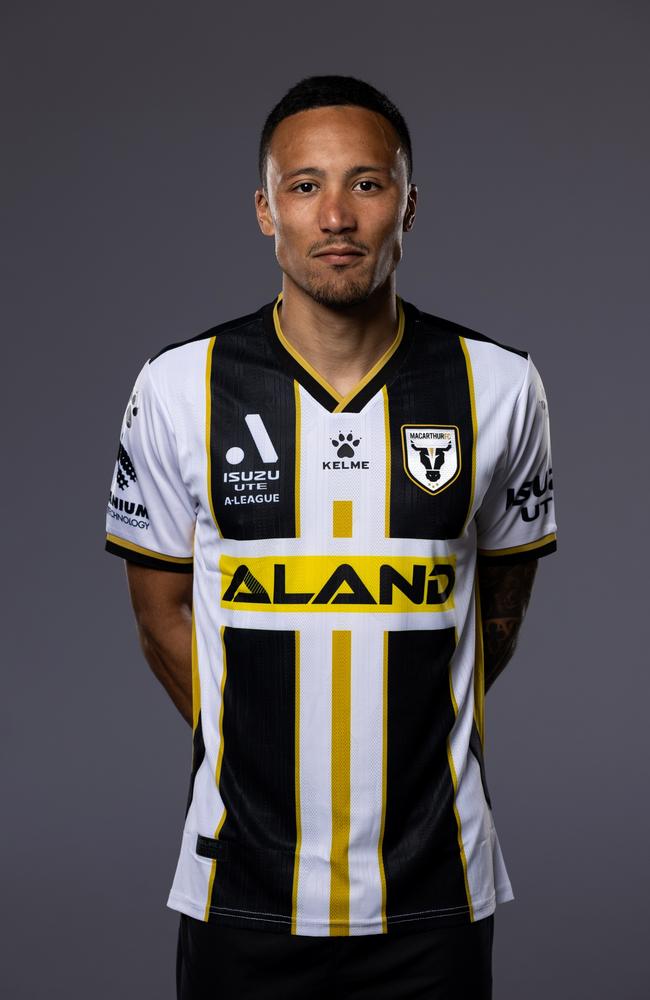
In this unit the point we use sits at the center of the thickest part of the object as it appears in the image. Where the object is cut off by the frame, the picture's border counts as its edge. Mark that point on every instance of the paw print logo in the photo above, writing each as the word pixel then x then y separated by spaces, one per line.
pixel 131 409
pixel 345 445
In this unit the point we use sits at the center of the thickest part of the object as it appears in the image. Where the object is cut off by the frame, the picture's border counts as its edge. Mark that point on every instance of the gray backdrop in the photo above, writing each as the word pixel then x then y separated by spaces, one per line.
pixel 129 158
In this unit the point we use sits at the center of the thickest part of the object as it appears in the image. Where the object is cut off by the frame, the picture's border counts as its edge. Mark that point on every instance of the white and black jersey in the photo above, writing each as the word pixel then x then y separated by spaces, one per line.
pixel 338 785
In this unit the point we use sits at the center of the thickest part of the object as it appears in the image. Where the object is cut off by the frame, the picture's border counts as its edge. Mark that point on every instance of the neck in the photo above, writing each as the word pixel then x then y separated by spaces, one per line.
pixel 341 344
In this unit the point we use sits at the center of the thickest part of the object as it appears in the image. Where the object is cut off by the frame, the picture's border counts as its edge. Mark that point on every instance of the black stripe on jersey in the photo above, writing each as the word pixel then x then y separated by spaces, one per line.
pixel 257 841
pixel 198 753
pixel 150 561
pixel 422 861
pixel 245 380
pixel 432 388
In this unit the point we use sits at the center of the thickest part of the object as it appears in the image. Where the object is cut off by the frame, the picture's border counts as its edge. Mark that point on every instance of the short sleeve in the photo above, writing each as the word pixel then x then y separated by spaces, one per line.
pixel 150 516
pixel 516 519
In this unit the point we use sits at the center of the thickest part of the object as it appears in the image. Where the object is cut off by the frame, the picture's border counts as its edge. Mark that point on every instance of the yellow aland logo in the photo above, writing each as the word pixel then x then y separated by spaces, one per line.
pixel 335 583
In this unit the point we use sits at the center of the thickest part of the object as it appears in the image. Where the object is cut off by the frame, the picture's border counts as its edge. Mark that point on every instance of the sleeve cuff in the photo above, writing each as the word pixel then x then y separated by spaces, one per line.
pixel 520 553
pixel 147 557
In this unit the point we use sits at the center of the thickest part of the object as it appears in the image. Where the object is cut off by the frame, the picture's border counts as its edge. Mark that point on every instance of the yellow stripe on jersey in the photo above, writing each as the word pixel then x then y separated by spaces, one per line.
pixel 342 518
pixel 384 779
pixel 217 773
pixel 208 428
pixel 454 779
pixel 472 403
pixel 196 688
pixel 350 583
pixel 388 461
pixel 116 540
pixel 341 723
pixel 296 862
pixel 528 547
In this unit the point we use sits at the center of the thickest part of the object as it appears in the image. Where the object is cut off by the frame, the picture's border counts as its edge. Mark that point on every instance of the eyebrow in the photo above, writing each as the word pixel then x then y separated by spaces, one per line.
pixel 317 172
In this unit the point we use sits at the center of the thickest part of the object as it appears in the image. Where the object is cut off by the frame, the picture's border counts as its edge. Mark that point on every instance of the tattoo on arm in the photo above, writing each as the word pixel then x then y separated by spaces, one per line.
pixel 504 593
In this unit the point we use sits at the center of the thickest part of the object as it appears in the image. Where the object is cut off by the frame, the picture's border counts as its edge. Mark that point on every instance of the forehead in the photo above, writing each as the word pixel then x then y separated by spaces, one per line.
pixel 332 136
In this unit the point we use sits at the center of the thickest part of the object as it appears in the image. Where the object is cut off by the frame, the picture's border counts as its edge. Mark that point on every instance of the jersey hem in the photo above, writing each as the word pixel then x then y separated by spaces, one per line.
pixel 316 928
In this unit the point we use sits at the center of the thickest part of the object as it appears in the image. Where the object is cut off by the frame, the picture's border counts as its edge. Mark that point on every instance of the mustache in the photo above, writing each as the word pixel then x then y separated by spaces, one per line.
pixel 319 247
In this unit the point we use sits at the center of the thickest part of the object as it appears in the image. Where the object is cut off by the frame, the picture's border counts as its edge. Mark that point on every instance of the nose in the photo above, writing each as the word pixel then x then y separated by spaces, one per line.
pixel 336 213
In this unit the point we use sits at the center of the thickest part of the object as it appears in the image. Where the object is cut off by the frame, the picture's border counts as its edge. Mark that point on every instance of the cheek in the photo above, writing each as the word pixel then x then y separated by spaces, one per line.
pixel 288 236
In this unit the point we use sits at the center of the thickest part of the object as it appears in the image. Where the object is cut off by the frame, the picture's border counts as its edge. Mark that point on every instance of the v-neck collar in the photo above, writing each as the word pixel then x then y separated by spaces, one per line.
pixel 317 386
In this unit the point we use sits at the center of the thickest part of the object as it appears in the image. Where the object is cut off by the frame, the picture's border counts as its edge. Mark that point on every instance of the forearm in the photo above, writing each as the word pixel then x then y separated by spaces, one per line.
pixel 167 647
pixel 162 604
pixel 504 596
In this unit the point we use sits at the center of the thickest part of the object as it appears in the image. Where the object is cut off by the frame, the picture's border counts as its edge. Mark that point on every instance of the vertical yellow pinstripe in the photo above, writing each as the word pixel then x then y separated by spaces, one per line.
pixel 341 721
pixel 454 778
pixel 296 863
pixel 472 403
pixel 208 427
pixel 217 773
pixel 388 462
pixel 479 665
pixel 342 518
pixel 196 689
pixel 384 772
pixel 296 393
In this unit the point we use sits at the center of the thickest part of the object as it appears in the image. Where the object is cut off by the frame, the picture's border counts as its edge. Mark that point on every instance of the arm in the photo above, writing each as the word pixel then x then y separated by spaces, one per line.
pixel 162 603
pixel 504 591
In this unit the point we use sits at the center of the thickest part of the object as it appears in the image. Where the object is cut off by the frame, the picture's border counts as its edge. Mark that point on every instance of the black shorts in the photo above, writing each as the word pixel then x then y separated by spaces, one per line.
pixel 233 963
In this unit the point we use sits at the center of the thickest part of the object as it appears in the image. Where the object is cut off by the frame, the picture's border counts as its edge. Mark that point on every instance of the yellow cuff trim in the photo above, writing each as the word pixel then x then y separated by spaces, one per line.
pixel 186 560
pixel 519 548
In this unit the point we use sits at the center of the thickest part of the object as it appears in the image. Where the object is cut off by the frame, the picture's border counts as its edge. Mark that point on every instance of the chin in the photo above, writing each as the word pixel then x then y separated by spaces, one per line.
pixel 339 295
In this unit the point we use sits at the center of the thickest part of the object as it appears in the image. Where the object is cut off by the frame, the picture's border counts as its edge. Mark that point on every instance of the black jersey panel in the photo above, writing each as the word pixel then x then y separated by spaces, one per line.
pixel 252 437
pixel 257 778
pixel 432 437
pixel 422 862
pixel 198 754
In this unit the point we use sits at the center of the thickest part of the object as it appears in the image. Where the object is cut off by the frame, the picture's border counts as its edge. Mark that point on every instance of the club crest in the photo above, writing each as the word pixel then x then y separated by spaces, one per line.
pixel 431 455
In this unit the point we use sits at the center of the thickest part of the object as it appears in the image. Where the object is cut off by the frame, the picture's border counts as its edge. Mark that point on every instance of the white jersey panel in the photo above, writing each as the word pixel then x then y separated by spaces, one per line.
pixel 514 495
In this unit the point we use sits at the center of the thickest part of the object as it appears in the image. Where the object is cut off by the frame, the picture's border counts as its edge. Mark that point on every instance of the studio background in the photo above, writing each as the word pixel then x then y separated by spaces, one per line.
pixel 130 140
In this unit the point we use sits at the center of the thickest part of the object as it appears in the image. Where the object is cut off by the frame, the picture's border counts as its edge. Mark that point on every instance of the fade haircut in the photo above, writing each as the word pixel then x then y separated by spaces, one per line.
pixel 325 92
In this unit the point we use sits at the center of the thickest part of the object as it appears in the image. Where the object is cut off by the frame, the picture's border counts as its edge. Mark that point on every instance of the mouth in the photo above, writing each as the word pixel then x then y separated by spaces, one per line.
pixel 339 255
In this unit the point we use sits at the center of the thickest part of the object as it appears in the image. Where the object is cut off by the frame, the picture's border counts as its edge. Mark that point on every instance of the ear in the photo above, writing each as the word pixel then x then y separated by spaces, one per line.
pixel 263 212
pixel 409 215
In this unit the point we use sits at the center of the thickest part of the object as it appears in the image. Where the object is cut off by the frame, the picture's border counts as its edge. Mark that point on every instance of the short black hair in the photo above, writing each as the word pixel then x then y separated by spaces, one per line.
pixel 324 92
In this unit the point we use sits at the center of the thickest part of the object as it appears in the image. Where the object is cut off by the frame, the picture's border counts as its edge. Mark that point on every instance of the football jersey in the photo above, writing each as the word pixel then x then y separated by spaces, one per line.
pixel 338 784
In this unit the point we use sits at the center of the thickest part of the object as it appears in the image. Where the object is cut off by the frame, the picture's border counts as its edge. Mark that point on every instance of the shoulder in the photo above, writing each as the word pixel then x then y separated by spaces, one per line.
pixel 491 361
pixel 184 359
pixel 178 348
pixel 428 321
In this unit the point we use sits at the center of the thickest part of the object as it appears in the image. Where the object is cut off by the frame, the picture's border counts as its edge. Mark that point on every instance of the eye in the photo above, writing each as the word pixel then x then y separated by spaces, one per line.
pixel 367 185
pixel 305 187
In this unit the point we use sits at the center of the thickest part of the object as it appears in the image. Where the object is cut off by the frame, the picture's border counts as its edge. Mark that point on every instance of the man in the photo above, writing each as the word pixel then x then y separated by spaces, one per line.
pixel 331 512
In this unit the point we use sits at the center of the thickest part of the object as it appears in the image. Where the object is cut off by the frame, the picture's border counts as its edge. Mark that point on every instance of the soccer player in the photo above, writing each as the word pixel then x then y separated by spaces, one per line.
pixel 331 512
